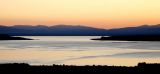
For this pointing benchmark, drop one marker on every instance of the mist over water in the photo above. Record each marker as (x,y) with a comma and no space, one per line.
(78,50)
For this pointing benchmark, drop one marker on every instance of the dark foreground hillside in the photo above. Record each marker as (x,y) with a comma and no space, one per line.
(23,68)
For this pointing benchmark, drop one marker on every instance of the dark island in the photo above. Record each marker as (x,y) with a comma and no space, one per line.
(131,38)
(8,37)
(24,68)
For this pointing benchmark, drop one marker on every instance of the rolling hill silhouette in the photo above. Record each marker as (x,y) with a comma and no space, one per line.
(68,30)
(58,30)
(140,30)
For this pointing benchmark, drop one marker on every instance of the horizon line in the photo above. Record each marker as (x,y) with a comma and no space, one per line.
(76,25)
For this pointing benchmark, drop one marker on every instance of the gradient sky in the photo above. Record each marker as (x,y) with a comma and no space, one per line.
(95,13)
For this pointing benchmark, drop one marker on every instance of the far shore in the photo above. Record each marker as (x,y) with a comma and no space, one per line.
(8,37)
(130,38)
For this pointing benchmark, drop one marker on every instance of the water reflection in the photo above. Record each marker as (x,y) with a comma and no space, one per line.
(79,51)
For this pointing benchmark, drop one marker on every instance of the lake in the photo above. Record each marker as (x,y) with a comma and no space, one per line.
(78,50)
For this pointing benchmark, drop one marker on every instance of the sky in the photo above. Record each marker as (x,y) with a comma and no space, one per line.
(94,13)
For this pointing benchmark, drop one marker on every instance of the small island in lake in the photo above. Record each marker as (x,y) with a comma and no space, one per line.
(131,38)
(8,37)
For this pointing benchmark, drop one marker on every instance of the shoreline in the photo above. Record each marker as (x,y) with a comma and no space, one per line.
(8,37)
(130,38)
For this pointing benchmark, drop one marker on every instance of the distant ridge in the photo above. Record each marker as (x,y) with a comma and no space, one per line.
(139,30)
(57,30)
(70,30)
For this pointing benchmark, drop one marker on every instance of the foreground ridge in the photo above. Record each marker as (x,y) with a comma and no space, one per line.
(21,68)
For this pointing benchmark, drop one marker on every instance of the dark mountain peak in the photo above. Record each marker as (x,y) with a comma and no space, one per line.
(149,26)
(74,27)
(62,26)
(157,25)
(1,26)
(68,26)
(22,26)
(58,30)
(41,26)
(144,25)
(139,30)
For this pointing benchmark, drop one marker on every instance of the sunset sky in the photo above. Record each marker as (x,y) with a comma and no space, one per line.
(94,13)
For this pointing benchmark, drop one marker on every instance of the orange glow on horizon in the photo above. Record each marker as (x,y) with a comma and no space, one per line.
(94,13)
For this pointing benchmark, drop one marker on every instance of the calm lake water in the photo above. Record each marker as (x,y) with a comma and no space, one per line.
(78,50)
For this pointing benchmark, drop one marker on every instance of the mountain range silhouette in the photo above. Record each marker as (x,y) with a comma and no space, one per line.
(69,30)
